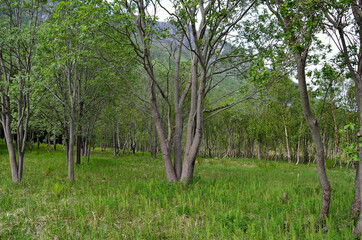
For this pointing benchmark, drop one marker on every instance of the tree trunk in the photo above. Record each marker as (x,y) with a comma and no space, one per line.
(78,153)
(309,153)
(31,141)
(355,208)
(164,144)
(287,139)
(195,124)
(297,153)
(12,155)
(6,123)
(304,150)
(71,149)
(178,104)
(55,142)
(298,146)
(118,141)
(258,148)
(89,150)
(85,146)
(358,191)
(314,129)
(48,141)
(114,141)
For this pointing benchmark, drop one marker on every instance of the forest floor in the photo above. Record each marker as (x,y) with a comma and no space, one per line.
(127,197)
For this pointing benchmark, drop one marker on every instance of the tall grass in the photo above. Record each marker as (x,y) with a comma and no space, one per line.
(128,198)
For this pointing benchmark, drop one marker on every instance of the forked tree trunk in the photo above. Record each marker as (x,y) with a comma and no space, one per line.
(195,124)
(202,54)
(164,144)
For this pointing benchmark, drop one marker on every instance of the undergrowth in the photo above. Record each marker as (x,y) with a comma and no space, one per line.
(127,197)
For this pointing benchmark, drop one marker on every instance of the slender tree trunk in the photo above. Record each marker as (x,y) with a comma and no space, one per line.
(67,151)
(9,139)
(297,153)
(309,153)
(71,147)
(89,150)
(319,147)
(298,146)
(304,150)
(358,191)
(31,141)
(118,140)
(85,146)
(355,208)
(78,152)
(48,141)
(178,104)
(114,136)
(55,142)
(287,139)
(12,155)
(336,135)
(258,148)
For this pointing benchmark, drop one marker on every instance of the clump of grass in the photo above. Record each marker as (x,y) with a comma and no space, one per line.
(128,198)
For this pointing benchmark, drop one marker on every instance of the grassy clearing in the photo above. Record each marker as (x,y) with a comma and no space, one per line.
(128,198)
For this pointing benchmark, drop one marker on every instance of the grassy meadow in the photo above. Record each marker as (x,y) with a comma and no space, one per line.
(127,197)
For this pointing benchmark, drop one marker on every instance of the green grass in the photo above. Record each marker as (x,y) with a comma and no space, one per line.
(128,198)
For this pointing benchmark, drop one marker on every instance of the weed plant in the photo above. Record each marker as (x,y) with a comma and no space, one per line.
(127,197)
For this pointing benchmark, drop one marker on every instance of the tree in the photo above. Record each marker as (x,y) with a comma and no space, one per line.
(19,24)
(72,75)
(299,22)
(205,41)
(346,18)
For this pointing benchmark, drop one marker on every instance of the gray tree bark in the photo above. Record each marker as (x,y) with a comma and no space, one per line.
(318,144)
